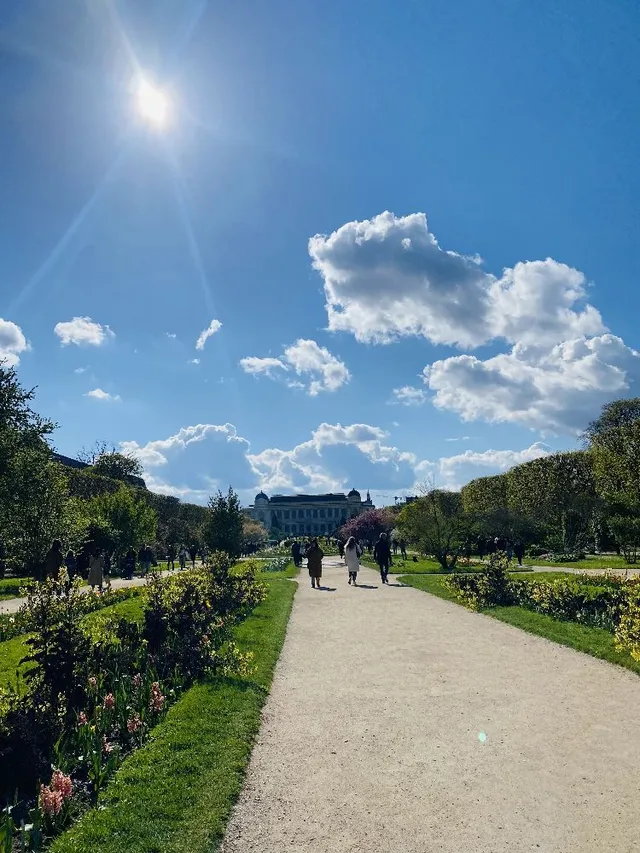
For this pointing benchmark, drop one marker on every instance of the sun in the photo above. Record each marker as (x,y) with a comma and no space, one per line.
(152,105)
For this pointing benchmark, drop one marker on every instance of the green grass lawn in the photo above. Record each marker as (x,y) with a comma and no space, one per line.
(611,561)
(174,795)
(10,587)
(592,641)
(12,651)
(422,567)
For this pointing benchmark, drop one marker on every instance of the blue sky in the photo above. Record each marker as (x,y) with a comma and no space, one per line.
(415,225)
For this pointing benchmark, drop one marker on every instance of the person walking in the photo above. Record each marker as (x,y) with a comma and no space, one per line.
(182,556)
(314,555)
(193,553)
(96,570)
(171,557)
(295,553)
(129,563)
(71,563)
(145,556)
(382,556)
(53,560)
(518,550)
(341,548)
(352,554)
(403,549)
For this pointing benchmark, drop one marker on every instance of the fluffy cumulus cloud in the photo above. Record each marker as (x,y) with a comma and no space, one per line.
(12,343)
(82,331)
(388,277)
(197,460)
(316,368)
(103,396)
(213,327)
(409,396)
(556,389)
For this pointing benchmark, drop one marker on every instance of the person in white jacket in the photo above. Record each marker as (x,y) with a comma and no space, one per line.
(352,554)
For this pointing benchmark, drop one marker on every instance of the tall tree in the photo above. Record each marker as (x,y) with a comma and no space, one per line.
(32,486)
(438,524)
(368,526)
(603,430)
(223,527)
(122,520)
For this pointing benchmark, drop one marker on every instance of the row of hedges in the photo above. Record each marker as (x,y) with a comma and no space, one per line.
(612,603)
(91,701)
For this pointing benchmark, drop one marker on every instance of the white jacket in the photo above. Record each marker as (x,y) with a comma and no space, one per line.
(351,558)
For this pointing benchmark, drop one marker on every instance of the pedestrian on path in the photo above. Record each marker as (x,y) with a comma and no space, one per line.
(314,555)
(183,557)
(382,556)
(341,549)
(518,550)
(96,570)
(352,555)
(171,557)
(53,560)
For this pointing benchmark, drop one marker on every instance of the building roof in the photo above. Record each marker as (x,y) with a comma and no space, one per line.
(261,495)
(299,499)
(354,493)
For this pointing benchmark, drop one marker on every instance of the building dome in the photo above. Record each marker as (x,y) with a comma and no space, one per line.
(261,497)
(354,493)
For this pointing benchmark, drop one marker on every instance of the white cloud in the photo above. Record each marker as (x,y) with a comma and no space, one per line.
(266,366)
(213,327)
(321,370)
(12,343)
(82,331)
(460,438)
(556,389)
(154,453)
(194,361)
(455,471)
(388,277)
(171,335)
(81,370)
(99,394)
(410,396)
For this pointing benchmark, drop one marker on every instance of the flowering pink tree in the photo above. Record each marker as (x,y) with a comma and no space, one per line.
(367,526)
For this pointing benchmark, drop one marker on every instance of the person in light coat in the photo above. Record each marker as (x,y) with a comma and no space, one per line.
(352,554)
(96,570)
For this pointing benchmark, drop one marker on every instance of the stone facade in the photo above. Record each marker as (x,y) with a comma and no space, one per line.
(308,515)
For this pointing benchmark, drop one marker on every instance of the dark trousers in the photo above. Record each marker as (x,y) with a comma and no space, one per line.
(384,569)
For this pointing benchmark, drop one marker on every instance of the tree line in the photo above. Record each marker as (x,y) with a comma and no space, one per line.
(104,505)
(565,503)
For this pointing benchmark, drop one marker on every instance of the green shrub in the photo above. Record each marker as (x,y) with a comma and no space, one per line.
(488,588)
(627,635)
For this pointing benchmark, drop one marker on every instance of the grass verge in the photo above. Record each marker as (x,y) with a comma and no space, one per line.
(600,561)
(592,641)
(12,651)
(424,567)
(174,795)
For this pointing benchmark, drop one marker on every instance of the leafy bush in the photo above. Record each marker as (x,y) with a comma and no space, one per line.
(628,631)
(92,699)
(488,588)
(582,600)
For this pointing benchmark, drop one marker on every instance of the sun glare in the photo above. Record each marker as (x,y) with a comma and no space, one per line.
(153,105)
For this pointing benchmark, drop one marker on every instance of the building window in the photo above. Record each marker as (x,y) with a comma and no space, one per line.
(308,513)
(300,513)
(322,513)
(315,513)
(286,513)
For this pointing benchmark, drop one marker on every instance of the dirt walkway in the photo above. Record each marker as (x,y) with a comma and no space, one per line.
(401,723)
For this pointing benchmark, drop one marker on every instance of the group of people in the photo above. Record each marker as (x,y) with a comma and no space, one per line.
(500,543)
(96,564)
(350,551)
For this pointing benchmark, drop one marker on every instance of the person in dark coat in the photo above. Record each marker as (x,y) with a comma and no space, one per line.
(341,549)
(129,563)
(382,556)
(295,553)
(71,563)
(314,555)
(193,553)
(518,550)
(53,560)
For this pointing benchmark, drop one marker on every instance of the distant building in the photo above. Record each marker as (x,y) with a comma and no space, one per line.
(308,515)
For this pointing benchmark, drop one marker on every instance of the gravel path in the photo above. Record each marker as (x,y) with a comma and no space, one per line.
(402,723)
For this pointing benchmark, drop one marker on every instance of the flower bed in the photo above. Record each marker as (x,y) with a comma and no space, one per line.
(608,602)
(91,703)
(14,624)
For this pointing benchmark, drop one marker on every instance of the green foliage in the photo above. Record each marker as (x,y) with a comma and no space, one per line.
(223,527)
(206,738)
(626,530)
(438,525)
(121,520)
(604,431)
(487,588)
(254,534)
(628,630)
